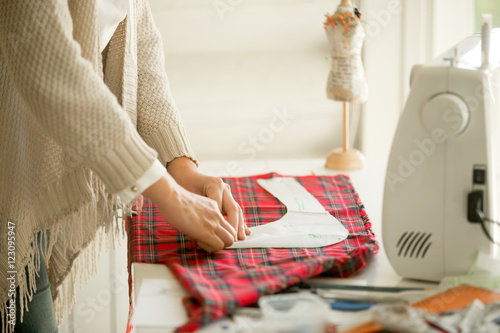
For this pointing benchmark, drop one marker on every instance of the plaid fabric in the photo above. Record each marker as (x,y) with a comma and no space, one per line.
(218,283)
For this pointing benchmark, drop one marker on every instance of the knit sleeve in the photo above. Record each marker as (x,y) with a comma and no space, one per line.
(158,120)
(65,94)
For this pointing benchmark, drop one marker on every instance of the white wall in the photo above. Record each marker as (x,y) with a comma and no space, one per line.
(403,33)
(233,69)
(383,60)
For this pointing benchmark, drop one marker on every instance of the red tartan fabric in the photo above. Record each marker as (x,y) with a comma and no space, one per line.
(218,283)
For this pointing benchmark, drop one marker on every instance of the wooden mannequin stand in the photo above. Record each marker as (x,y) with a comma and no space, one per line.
(345,158)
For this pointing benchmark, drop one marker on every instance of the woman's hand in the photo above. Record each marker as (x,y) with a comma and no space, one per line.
(184,171)
(196,216)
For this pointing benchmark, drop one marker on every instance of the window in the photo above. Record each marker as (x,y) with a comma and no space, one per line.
(487,7)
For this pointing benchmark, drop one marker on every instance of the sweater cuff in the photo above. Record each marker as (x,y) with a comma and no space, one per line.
(122,166)
(170,143)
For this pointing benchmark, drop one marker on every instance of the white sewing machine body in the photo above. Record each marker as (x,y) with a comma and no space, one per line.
(449,128)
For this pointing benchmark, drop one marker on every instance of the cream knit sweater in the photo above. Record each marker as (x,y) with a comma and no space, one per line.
(78,127)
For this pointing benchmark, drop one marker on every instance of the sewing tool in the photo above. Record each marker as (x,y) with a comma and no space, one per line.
(441,184)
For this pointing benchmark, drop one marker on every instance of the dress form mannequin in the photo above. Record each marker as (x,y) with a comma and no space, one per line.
(347,80)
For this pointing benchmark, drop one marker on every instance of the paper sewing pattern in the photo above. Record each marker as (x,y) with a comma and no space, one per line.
(306,223)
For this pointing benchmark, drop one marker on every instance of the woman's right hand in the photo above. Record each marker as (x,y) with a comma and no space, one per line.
(196,216)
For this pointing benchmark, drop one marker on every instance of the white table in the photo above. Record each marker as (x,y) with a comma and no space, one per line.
(158,294)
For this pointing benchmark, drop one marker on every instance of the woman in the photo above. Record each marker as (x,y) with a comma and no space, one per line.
(89,124)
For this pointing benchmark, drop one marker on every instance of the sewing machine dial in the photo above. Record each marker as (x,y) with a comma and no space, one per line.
(446,112)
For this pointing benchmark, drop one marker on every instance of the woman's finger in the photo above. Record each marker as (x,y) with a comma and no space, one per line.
(222,237)
(226,233)
(207,247)
(215,191)
(242,219)
(233,212)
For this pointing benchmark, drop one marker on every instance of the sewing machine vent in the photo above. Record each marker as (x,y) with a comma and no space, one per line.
(414,244)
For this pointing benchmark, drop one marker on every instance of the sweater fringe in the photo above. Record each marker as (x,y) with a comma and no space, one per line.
(103,214)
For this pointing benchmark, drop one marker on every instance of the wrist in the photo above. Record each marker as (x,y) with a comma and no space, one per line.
(161,190)
(186,174)
(181,163)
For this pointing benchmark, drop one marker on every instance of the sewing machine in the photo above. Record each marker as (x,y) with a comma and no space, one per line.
(444,152)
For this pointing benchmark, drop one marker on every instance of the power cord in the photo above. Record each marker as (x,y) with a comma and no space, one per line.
(475,213)
(483,226)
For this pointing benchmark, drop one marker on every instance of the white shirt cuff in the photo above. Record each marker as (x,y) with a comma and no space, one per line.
(154,173)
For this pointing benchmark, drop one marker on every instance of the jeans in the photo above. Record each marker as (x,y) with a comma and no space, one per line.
(40,316)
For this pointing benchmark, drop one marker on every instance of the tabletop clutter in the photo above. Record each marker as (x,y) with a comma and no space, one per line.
(461,309)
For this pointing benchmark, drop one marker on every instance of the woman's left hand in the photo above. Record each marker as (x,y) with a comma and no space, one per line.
(186,174)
